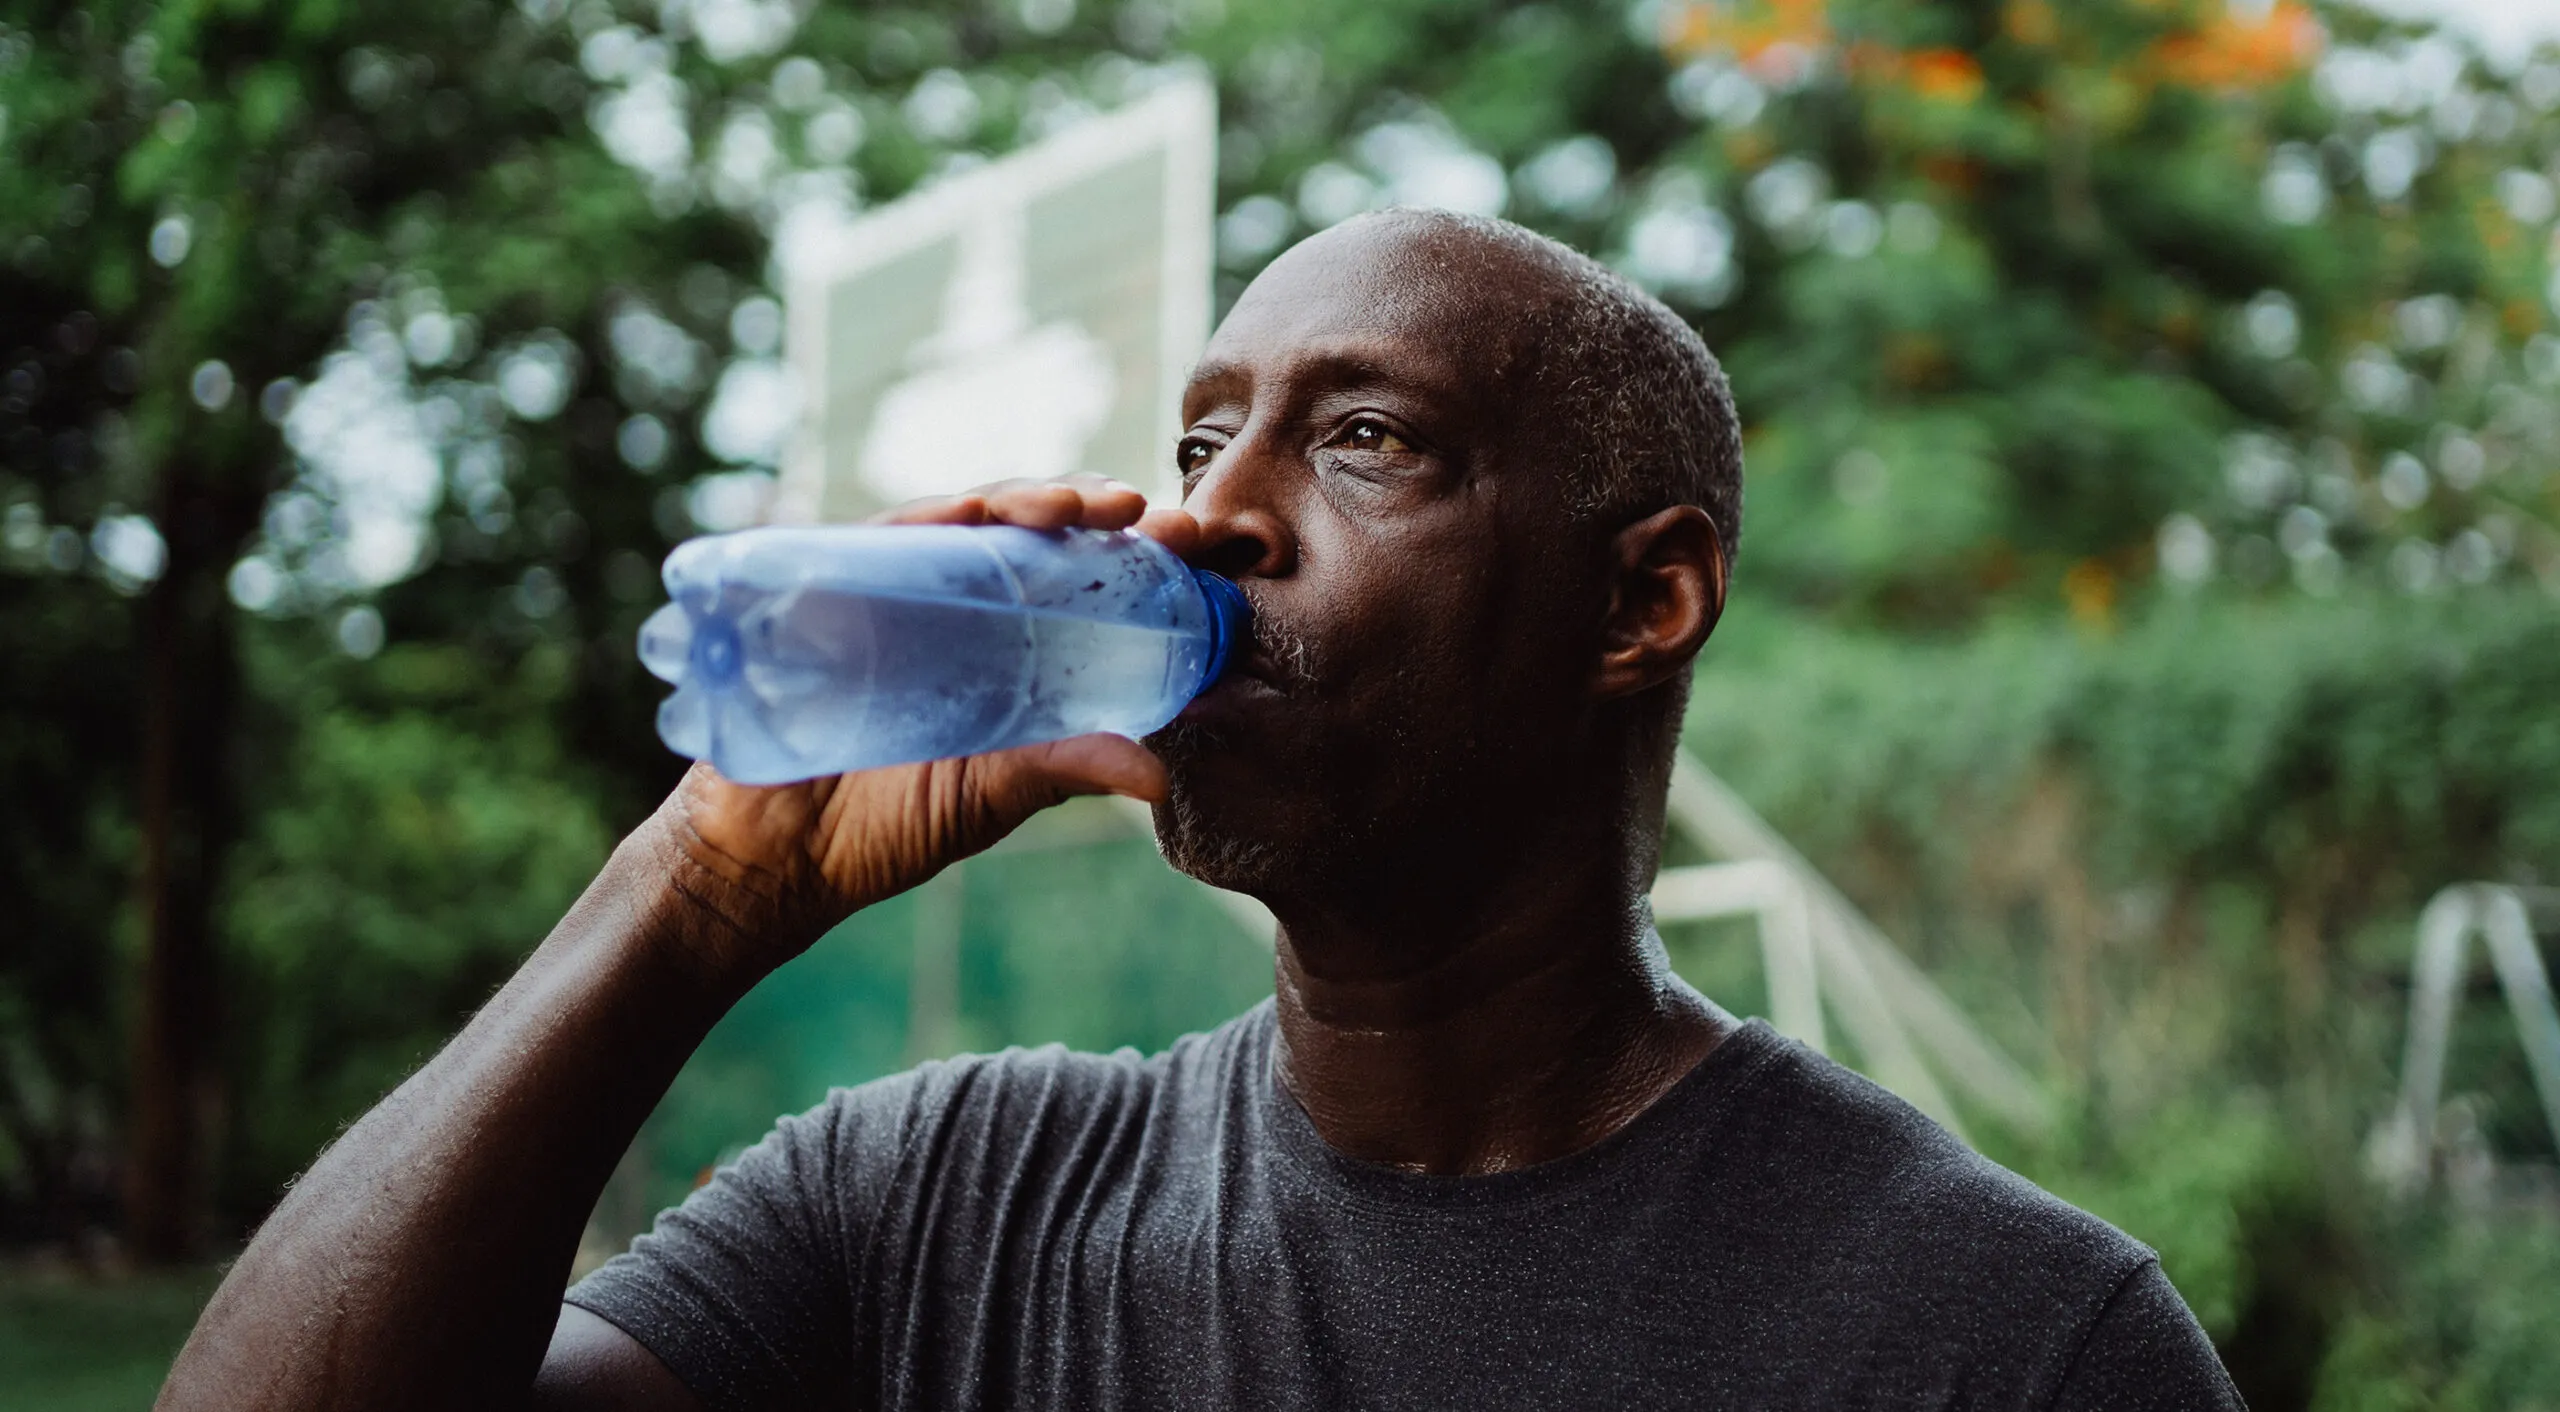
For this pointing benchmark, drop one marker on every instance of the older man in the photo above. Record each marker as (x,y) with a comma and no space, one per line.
(1483,1148)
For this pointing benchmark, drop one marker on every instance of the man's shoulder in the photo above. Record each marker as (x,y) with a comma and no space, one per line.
(1883,1175)
(1029,1093)
(1859,1215)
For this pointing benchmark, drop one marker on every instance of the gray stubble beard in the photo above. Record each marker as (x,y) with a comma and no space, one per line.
(1187,834)
(1188,837)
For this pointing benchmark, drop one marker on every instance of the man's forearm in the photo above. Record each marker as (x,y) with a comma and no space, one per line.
(419,1263)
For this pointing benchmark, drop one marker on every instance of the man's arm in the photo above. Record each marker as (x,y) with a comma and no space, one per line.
(419,1263)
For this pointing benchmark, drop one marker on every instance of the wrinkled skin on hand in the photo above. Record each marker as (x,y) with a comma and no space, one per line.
(770,868)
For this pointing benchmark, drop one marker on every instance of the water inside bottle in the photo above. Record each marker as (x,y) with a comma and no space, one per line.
(826,680)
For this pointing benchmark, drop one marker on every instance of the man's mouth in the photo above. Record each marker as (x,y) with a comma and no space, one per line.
(1242,682)
(1259,665)
(1275,665)
(1249,680)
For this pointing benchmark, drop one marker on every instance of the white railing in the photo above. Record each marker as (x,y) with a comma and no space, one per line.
(1816,944)
(2402,1151)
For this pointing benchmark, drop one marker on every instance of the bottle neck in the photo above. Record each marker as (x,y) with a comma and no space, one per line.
(1230,621)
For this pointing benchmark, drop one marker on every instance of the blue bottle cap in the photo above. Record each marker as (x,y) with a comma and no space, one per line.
(1230,620)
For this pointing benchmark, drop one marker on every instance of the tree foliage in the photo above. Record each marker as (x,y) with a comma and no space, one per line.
(2150,511)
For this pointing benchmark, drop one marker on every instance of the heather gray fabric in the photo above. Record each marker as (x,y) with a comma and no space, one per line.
(1047,1229)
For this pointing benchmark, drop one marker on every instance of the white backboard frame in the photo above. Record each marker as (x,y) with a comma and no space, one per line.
(819,476)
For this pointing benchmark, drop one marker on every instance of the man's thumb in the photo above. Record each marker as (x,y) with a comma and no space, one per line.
(1086,764)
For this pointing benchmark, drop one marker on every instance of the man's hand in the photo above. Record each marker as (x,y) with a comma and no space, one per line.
(767,869)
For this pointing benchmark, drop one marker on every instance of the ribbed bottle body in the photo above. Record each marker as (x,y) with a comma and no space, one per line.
(801,652)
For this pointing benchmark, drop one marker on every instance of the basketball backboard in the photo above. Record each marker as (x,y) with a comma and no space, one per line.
(1032,317)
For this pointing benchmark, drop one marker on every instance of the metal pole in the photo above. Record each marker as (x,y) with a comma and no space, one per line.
(1720,819)
(1765,891)
(1867,1013)
(2402,1150)
(2509,932)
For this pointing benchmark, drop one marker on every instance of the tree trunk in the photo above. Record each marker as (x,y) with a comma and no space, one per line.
(189,686)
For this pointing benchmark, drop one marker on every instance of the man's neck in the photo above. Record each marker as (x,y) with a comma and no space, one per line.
(1508,1043)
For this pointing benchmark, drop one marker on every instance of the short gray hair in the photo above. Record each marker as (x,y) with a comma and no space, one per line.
(1644,415)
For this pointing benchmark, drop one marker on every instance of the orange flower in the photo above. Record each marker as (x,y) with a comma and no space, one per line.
(2233,51)
(1756,32)
(1948,75)
(1945,75)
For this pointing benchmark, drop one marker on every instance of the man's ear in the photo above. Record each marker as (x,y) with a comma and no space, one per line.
(1666,592)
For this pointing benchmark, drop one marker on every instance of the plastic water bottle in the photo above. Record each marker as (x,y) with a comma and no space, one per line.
(801,652)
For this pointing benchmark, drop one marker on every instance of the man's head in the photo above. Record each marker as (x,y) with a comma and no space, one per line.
(1483,494)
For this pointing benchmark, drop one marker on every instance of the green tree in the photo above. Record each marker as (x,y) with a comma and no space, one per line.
(194,196)
(364,361)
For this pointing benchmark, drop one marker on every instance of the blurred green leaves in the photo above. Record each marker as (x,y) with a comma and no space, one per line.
(2213,741)
(2143,600)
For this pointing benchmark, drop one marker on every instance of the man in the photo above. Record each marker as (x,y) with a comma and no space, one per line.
(1483,1149)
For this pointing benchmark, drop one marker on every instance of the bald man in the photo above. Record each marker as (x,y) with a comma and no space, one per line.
(1481,1149)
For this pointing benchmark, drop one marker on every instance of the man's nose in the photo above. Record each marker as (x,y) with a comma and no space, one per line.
(1245,505)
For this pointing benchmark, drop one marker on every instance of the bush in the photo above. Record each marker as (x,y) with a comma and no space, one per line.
(2178,863)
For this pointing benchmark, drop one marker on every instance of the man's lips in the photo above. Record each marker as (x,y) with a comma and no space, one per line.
(1257,665)
(1248,680)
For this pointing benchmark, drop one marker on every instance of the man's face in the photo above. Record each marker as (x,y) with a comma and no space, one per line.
(1357,452)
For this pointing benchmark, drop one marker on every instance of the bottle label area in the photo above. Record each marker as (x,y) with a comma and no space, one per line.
(860,663)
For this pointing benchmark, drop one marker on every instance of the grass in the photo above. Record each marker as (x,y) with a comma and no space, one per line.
(77,1343)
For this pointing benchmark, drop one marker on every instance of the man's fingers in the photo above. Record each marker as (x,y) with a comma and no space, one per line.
(1033,504)
(1173,528)
(1108,504)
(1080,501)
(1077,502)
(1084,764)
(969,509)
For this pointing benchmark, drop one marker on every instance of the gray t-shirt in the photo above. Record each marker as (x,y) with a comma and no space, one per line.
(1048,1229)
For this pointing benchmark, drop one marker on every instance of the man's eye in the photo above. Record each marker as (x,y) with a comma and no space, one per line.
(1368,434)
(1193,454)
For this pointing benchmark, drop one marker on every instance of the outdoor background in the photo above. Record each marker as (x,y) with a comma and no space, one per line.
(2149,595)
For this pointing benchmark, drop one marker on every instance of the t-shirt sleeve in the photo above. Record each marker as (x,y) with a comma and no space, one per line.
(746,1291)
(2146,1351)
